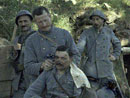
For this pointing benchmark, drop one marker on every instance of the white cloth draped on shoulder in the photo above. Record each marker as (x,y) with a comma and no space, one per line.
(79,77)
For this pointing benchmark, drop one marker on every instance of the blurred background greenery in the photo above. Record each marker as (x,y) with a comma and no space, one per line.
(66,14)
(73,15)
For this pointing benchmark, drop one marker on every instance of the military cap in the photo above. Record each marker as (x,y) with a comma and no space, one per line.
(98,13)
(21,13)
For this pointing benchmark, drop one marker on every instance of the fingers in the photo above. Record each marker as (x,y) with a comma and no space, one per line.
(17,46)
(47,65)
(112,58)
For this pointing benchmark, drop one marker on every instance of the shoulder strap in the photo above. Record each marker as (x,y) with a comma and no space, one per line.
(29,35)
(61,86)
(49,39)
(26,36)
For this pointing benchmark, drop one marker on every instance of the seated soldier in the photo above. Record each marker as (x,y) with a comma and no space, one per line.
(57,82)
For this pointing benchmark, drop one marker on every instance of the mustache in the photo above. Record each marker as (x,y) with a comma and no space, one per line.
(58,63)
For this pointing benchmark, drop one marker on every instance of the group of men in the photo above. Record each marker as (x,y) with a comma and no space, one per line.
(44,56)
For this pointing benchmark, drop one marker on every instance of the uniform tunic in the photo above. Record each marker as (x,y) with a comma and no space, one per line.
(21,80)
(97,45)
(38,48)
(53,90)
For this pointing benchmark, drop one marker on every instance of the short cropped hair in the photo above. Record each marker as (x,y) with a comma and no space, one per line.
(39,11)
(64,48)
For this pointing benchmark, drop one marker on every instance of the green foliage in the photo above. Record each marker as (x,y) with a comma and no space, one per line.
(63,22)
(64,12)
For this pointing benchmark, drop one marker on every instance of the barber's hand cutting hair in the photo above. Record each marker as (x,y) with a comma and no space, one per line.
(47,64)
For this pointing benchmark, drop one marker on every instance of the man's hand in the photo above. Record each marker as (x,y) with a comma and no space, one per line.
(112,58)
(18,46)
(47,65)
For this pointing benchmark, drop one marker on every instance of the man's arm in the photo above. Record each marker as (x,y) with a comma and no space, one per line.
(31,64)
(116,45)
(82,42)
(37,87)
(72,48)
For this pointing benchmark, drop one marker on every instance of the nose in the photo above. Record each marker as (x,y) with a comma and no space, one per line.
(95,21)
(23,23)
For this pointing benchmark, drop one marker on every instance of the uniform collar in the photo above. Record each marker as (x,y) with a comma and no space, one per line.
(46,32)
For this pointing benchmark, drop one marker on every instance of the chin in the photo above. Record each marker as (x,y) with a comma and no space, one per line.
(60,68)
(25,30)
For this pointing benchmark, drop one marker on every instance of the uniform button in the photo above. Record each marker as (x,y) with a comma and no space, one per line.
(44,48)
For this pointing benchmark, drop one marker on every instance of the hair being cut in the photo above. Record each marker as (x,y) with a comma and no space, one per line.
(64,48)
(39,11)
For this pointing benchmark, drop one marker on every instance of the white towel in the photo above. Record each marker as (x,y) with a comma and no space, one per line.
(80,79)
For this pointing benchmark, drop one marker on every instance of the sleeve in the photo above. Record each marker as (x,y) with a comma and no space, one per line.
(73,49)
(31,64)
(15,41)
(81,43)
(116,45)
(37,87)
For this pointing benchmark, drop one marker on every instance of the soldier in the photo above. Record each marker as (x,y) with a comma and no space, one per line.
(58,81)
(41,46)
(20,83)
(96,43)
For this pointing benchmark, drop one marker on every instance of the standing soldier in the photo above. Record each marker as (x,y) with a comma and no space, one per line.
(96,43)
(20,83)
(41,46)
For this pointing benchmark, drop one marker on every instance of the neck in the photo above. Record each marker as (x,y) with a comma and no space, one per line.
(99,29)
(61,72)
(46,31)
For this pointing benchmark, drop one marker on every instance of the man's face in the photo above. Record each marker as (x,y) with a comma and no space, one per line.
(97,22)
(24,22)
(62,60)
(43,21)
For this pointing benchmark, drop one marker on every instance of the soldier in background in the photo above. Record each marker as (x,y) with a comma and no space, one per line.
(21,80)
(41,46)
(95,42)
